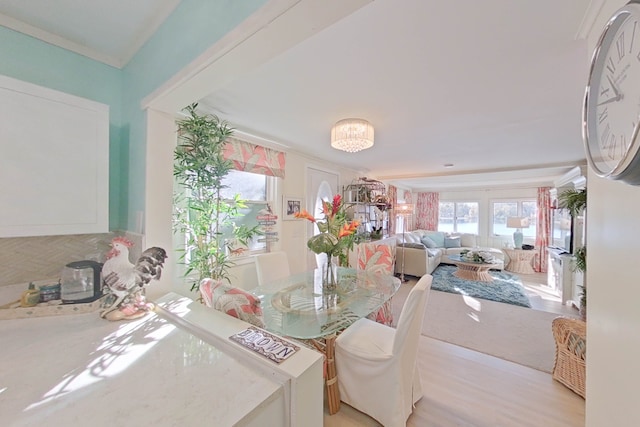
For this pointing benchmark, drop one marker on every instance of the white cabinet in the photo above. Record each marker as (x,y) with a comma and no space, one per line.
(54,162)
(560,275)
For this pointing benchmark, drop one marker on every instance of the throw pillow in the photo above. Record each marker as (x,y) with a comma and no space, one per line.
(232,301)
(452,242)
(437,237)
(428,242)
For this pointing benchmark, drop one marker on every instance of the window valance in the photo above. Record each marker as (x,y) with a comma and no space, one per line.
(253,158)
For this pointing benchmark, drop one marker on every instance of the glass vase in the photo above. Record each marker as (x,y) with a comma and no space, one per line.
(330,274)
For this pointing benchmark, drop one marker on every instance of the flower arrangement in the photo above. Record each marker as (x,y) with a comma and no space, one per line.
(333,229)
(334,236)
(477,256)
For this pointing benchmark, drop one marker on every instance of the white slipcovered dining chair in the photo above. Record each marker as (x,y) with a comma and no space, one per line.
(272,266)
(376,364)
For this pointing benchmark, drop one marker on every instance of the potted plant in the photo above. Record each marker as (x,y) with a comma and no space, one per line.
(201,213)
(573,200)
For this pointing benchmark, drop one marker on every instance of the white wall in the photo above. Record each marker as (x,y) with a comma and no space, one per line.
(613,315)
(613,271)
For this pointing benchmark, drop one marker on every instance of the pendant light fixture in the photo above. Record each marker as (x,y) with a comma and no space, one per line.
(352,135)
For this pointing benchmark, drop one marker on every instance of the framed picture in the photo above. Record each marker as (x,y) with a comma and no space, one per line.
(291,205)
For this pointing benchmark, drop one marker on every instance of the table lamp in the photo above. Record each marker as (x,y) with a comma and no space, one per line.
(518,223)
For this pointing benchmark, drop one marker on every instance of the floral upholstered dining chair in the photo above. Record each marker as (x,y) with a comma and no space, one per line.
(379,259)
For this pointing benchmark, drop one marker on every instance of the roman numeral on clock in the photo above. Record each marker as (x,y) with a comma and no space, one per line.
(611,66)
(602,116)
(620,47)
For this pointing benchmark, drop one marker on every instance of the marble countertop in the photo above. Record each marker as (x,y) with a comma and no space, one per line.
(82,370)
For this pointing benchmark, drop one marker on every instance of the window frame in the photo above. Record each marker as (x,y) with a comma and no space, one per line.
(519,212)
(455,215)
(270,191)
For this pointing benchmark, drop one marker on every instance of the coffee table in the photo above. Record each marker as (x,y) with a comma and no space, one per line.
(471,270)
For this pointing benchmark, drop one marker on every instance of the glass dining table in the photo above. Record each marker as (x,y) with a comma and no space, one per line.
(298,307)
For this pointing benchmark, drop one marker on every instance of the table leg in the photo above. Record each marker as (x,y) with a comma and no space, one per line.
(327,346)
(473,273)
(333,392)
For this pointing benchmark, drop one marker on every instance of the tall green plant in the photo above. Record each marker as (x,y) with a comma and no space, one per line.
(573,200)
(201,213)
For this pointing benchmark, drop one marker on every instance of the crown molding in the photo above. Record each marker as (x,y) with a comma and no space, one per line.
(55,40)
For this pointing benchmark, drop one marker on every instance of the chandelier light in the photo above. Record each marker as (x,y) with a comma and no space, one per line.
(352,135)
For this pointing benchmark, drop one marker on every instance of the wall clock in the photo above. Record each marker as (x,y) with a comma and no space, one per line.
(611,113)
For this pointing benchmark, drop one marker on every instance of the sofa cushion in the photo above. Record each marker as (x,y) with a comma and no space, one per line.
(468,240)
(412,245)
(411,238)
(428,242)
(452,242)
(437,237)
(434,252)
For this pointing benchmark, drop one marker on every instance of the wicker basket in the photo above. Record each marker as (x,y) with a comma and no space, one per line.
(571,352)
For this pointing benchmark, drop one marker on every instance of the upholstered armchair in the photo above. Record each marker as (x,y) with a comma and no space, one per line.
(380,259)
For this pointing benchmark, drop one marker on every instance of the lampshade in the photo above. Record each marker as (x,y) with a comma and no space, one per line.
(517,222)
(352,135)
(404,208)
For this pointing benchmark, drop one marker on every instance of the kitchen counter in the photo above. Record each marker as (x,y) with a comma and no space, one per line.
(174,367)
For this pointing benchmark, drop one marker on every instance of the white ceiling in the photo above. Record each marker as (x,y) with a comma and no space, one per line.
(494,87)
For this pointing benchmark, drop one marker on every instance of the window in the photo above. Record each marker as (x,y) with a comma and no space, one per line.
(458,217)
(255,189)
(505,209)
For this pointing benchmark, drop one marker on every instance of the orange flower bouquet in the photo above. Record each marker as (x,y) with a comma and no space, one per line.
(332,237)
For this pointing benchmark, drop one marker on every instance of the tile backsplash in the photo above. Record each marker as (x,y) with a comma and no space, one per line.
(26,259)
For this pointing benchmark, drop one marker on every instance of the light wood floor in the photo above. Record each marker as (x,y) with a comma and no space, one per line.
(467,388)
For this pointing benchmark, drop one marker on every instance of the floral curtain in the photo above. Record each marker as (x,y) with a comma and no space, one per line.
(253,158)
(543,227)
(427,208)
(392,193)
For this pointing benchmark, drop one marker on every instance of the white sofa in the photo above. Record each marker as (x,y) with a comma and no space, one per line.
(420,258)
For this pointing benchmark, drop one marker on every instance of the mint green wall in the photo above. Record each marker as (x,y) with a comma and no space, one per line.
(28,59)
(192,28)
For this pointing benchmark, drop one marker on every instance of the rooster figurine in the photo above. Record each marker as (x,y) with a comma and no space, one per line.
(124,283)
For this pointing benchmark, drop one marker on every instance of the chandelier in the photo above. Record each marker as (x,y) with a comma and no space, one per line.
(352,135)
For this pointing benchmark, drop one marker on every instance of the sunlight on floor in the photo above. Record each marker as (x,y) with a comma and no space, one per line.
(543,297)
(474,303)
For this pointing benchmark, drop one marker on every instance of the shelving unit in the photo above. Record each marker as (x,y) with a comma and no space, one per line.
(366,200)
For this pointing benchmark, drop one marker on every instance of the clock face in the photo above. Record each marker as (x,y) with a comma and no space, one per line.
(612,102)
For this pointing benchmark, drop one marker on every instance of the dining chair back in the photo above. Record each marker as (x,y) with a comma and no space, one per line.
(272,266)
(380,259)
(376,364)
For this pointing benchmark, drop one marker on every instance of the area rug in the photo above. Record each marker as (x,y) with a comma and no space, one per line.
(505,287)
(506,331)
